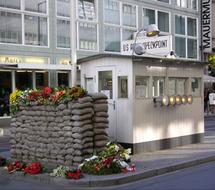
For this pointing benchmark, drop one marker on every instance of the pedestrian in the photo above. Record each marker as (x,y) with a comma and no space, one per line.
(206,101)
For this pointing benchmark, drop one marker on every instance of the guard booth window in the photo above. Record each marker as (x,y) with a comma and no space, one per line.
(158,86)
(177,86)
(123,87)
(196,86)
(142,87)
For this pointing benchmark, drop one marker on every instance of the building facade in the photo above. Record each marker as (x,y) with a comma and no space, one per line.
(35,35)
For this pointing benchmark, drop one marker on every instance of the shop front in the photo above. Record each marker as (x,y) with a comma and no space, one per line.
(154,103)
(22,72)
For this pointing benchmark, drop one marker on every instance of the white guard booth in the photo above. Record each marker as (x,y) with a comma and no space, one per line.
(134,86)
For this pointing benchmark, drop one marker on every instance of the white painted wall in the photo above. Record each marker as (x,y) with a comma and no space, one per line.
(137,120)
(154,123)
(124,107)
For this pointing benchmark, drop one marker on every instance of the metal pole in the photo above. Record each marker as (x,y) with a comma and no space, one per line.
(73,41)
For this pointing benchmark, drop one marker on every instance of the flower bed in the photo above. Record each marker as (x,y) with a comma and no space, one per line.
(112,160)
(44,96)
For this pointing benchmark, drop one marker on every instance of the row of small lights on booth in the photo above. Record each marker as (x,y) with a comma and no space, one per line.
(173,100)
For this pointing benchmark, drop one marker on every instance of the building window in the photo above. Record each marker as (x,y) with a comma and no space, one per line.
(87,36)
(36,30)
(123,87)
(63,79)
(127,34)
(177,86)
(5,90)
(39,6)
(121,20)
(193,4)
(87,9)
(11,28)
(15,4)
(182,3)
(112,12)
(63,33)
(41,80)
(63,8)
(148,17)
(129,15)
(112,42)
(63,23)
(179,25)
(158,86)
(164,1)
(192,48)
(180,46)
(196,86)
(186,37)
(191,27)
(142,87)
(161,19)
(23,80)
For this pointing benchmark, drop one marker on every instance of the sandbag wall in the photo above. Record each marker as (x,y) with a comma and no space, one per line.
(61,135)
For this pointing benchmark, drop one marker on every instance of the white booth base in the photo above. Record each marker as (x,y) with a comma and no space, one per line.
(164,143)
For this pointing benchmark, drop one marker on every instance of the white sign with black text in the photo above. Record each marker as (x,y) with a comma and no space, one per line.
(159,46)
(206,26)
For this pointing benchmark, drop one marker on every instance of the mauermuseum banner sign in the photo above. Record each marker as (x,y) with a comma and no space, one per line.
(206,26)
(159,46)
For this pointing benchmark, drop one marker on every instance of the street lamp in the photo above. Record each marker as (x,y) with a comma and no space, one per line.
(151,30)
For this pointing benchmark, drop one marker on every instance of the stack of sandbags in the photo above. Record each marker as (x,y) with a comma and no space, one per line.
(82,130)
(100,106)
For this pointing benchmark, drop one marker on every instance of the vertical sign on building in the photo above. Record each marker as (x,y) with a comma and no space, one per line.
(206,26)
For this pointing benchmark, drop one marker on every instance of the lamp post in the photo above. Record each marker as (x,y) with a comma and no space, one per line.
(73,42)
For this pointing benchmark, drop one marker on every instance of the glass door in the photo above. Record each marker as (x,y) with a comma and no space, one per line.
(106,84)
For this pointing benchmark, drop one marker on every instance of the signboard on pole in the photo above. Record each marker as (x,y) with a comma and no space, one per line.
(159,46)
(206,26)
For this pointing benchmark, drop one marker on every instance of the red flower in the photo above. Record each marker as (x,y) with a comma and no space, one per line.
(10,168)
(124,170)
(108,161)
(58,94)
(33,168)
(18,165)
(15,166)
(133,168)
(47,91)
(74,174)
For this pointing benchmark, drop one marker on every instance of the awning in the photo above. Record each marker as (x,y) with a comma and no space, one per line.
(8,65)
(208,78)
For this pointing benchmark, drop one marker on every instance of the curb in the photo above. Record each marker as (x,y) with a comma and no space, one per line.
(110,180)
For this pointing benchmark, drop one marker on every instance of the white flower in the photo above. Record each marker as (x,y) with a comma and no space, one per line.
(124,164)
(116,148)
(91,158)
(129,150)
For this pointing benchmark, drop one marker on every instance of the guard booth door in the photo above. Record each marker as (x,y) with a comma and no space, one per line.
(106,83)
